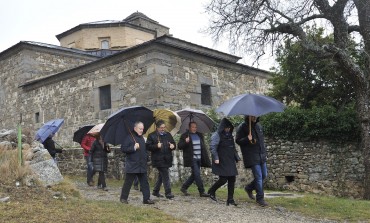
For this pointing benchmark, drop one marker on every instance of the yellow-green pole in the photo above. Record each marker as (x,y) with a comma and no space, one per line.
(20,160)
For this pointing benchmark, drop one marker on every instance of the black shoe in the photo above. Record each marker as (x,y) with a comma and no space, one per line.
(148,202)
(157,194)
(262,203)
(169,196)
(250,194)
(105,189)
(232,202)
(184,191)
(203,194)
(136,187)
(212,196)
(123,201)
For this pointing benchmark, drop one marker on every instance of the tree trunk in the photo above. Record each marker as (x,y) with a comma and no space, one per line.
(363,94)
(363,111)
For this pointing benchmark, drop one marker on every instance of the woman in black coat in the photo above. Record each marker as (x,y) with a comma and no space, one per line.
(224,157)
(99,157)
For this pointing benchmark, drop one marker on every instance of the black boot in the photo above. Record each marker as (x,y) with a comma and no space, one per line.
(212,195)
(231,201)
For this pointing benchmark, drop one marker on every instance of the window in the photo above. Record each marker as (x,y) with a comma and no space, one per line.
(105,98)
(206,98)
(104,44)
(37,117)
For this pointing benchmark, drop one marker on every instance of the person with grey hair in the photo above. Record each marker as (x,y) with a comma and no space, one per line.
(161,144)
(136,164)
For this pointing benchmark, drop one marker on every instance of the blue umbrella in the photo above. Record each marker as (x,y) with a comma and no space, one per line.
(120,124)
(51,127)
(250,104)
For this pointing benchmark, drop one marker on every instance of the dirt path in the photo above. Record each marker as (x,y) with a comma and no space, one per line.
(196,209)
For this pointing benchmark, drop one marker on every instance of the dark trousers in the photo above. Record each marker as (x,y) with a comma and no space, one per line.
(259,173)
(101,180)
(144,184)
(164,177)
(230,186)
(195,176)
(89,170)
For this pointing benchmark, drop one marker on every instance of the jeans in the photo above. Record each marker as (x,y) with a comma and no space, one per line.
(259,173)
(230,186)
(144,184)
(89,170)
(195,176)
(164,177)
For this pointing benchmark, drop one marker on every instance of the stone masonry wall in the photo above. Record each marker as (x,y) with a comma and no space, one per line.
(23,66)
(319,167)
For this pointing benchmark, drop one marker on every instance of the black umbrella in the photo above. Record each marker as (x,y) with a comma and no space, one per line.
(120,125)
(204,122)
(81,132)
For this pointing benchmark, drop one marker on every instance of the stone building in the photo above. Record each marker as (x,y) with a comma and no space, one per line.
(103,66)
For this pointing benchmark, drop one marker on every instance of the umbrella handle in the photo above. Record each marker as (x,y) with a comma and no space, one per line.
(128,129)
(252,141)
(58,144)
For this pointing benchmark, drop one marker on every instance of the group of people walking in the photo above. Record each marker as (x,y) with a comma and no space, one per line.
(160,144)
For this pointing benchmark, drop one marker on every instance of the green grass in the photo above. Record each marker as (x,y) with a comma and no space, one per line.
(71,210)
(316,206)
(326,207)
(37,205)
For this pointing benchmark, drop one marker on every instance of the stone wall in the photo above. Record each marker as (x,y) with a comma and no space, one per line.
(320,167)
(317,167)
(119,38)
(25,65)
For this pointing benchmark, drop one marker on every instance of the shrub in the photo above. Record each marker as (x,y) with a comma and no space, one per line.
(317,123)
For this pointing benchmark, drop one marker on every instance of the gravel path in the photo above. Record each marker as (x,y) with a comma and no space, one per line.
(196,209)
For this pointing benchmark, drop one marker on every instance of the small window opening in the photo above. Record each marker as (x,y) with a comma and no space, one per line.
(104,44)
(37,117)
(289,179)
(105,97)
(206,97)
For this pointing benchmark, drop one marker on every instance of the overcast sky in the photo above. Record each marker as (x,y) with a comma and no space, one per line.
(42,20)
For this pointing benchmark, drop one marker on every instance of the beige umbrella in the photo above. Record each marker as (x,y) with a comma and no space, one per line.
(170,118)
(95,131)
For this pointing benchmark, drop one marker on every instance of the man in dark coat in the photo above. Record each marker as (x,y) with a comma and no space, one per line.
(224,157)
(161,144)
(195,156)
(136,164)
(254,155)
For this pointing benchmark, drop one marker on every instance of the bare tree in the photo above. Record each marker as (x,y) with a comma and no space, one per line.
(254,26)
